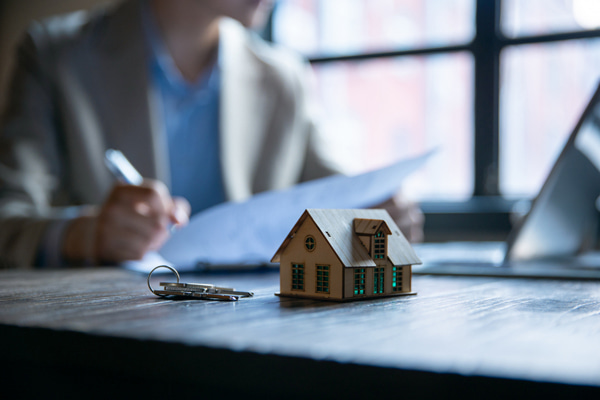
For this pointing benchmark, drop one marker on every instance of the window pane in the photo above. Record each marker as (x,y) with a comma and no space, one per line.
(536,17)
(331,27)
(379,111)
(544,89)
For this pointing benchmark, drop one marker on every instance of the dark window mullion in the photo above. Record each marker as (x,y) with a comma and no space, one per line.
(553,37)
(486,52)
(392,53)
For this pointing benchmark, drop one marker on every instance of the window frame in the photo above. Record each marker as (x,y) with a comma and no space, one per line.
(360,282)
(297,270)
(486,210)
(310,243)
(379,246)
(397,278)
(324,287)
(379,280)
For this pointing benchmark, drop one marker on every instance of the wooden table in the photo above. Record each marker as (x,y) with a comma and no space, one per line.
(101,332)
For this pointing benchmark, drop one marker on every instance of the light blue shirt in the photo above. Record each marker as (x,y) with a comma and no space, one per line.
(190,115)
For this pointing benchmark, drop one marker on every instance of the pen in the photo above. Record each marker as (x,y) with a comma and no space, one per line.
(121,168)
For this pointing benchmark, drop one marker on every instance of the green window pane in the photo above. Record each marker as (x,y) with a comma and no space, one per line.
(322,279)
(397,279)
(309,243)
(359,281)
(298,276)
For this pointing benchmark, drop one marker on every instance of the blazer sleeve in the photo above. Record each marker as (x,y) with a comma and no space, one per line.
(29,167)
(318,162)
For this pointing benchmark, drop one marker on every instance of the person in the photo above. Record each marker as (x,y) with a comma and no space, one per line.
(204,109)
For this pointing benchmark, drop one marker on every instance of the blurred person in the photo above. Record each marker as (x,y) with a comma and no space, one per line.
(203,108)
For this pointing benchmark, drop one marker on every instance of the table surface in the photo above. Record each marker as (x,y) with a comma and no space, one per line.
(523,329)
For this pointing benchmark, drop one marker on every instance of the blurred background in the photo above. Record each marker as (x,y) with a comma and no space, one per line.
(495,85)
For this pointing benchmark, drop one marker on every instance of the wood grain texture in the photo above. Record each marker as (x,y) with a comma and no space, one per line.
(537,330)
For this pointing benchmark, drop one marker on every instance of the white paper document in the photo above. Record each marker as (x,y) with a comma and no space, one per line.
(250,232)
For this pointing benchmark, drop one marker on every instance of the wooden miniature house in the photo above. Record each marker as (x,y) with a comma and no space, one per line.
(345,255)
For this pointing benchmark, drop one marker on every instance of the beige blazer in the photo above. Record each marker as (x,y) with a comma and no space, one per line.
(81,86)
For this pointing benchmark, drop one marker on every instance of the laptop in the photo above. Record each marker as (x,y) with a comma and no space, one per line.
(556,238)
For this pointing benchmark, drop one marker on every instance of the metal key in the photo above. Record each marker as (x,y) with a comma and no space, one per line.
(195,290)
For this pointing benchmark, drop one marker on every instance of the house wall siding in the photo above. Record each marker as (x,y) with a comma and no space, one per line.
(407,278)
(296,253)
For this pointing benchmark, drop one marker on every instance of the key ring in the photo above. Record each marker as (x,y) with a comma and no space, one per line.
(155,268)
(202,291)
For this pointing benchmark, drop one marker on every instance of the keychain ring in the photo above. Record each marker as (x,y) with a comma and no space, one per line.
(155,268)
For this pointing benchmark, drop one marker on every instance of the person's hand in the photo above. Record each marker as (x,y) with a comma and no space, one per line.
(136,219)
(407,215)
(132,221)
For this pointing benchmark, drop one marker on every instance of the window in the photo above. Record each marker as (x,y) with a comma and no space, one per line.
(382,97)
(322,278)
(297,276)
(486,81)
(540,17)
(379,246)
(309,243)
(397,279)
(359,281)
(378,280)
(533,75)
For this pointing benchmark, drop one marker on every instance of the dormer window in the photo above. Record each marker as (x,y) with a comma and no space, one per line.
(379,246)
(373,235)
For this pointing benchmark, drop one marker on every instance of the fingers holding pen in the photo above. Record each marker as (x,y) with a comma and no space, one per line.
(136,219)
(156,197)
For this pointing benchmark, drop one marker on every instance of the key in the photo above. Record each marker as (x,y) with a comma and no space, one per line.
(204,291)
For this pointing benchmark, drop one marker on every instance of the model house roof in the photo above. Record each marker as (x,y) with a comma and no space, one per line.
(338,228)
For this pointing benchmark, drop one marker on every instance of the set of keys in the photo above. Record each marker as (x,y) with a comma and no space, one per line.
(200,291)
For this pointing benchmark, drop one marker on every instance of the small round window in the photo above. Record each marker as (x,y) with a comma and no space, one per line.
(309,243)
